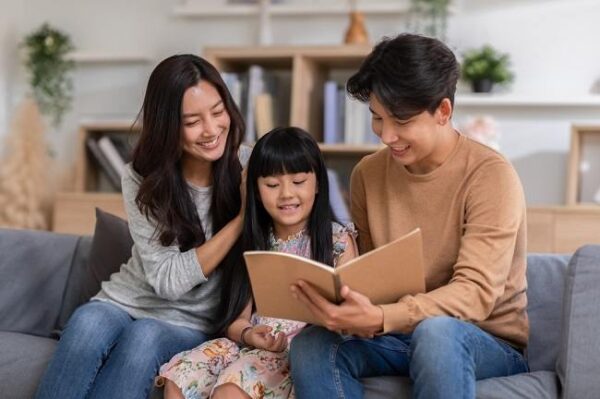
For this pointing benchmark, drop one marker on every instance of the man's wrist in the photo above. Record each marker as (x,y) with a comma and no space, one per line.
(379,324)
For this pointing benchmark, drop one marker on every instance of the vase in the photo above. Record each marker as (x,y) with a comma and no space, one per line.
(482,86)
(356,33)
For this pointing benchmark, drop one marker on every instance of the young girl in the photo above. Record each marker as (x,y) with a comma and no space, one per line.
(287,210)
(182,196)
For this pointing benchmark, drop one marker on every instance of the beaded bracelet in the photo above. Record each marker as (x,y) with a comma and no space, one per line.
(244,331)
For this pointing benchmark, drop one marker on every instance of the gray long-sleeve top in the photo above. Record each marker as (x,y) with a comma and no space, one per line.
(161,282)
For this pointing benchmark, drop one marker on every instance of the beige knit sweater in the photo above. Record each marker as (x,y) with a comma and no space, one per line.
(471,211)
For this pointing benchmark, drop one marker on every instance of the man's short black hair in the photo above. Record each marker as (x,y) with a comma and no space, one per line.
(408,74)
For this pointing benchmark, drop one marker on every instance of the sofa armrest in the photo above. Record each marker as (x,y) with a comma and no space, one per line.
(579,355)
(34,267)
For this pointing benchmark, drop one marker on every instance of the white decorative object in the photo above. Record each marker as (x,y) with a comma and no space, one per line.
(597,196)
(265,32)
(483,129)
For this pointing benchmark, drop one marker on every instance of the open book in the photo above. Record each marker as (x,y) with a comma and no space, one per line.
(384,275)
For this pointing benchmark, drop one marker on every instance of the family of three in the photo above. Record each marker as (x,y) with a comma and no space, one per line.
(180,312)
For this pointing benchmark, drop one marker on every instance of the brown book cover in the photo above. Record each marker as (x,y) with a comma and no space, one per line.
(384,274)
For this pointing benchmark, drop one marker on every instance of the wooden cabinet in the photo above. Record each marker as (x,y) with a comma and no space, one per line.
(562,229)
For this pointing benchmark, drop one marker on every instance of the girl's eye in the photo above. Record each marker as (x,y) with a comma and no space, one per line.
(192,123)
(218,113)
(298,182)
(402,122)
(271,185)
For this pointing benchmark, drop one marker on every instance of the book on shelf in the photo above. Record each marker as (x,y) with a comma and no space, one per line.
(336,198)
(103,163)
(112,154)
(255,87)
(263,114)
(263,97)
(234,84)
(384,275)
(357,118)
(123,146)
(330,112)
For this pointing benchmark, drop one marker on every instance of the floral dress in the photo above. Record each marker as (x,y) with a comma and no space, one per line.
(259,373)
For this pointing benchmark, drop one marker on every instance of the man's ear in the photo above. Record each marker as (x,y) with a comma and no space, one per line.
(444,111)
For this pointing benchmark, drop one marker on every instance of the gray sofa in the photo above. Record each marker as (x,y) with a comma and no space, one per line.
(45,276)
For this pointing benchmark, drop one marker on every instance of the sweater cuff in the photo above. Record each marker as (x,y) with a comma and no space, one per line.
(194,270)
(398,317)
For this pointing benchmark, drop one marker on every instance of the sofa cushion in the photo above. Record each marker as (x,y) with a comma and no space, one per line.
(22,364)
(33,274)
(110,248)
(579,355)
(539,385)
(72,297)
(545,279)
(386,387)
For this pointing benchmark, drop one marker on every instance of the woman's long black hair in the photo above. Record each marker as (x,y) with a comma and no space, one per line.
(163,193)
(281,151)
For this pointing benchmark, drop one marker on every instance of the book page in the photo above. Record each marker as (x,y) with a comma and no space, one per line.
(389,272)
(271,275)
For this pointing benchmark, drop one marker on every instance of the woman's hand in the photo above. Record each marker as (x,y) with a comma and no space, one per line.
(260,337)
(355,316)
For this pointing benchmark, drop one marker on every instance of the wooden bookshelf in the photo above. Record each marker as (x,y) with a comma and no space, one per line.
(87,173)
(550,229)
(310,67)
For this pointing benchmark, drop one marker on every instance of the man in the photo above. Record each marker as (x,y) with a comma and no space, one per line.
(468,201)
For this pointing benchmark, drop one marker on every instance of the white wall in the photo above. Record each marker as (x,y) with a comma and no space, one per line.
(553,45)
(554,52)
(8,50)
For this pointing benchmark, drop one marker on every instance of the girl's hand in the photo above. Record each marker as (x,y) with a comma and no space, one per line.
(260,337)
(355,316)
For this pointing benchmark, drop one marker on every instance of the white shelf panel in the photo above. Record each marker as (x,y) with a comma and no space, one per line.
(508,100)
(342,9)
(108,58)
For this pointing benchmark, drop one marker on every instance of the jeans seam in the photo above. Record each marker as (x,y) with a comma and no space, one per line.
(471,335)
(336,372)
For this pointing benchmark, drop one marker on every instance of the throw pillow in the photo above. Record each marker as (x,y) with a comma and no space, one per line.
(110,248)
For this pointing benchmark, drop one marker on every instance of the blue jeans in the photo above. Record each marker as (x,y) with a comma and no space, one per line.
(443,357)
(104,353)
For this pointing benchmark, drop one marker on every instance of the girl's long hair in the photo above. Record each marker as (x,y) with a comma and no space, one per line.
(281,151)
(163,194)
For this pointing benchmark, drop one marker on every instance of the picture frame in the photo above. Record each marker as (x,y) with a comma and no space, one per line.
(583,176)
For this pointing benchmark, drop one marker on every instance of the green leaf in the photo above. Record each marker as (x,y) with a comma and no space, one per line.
(49,70)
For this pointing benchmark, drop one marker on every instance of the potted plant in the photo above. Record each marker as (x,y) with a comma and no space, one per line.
(49,70)
(485,66)
(429,17)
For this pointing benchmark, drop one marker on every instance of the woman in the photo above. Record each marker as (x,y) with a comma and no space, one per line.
(182,197)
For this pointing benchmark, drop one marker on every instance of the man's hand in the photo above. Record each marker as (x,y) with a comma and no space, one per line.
(260,337)
(356,315)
